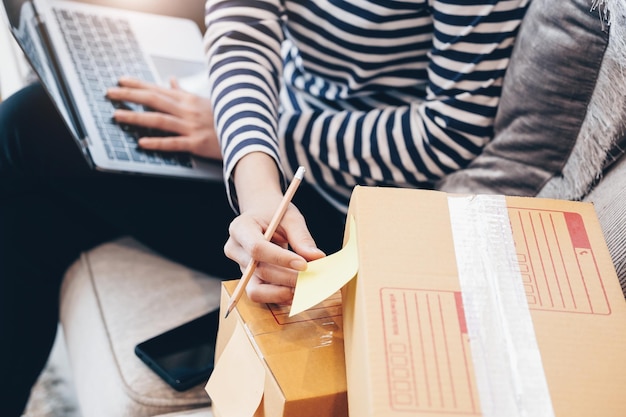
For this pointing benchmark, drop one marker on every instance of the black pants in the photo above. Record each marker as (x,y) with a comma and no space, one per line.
(52,207)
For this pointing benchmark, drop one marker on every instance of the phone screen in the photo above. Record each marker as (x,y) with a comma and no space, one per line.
(183,356)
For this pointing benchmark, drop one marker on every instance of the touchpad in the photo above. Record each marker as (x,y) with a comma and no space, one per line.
(168,67)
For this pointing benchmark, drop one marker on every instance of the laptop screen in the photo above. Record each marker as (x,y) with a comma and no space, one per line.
(26,29)
(20,14)
(12,8)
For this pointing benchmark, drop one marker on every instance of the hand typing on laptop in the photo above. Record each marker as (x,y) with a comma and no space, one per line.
(188,116)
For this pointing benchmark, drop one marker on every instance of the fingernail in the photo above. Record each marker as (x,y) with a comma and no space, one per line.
(298,264)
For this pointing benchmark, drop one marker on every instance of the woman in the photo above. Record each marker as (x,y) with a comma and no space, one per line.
(379,92)
(386,93)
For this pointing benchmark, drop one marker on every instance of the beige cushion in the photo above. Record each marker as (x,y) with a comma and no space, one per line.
(198,412)
(114,297)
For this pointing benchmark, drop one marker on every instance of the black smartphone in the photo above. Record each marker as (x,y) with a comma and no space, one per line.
(183,356)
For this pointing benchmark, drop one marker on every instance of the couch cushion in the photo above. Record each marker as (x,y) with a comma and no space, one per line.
(114,297)
(199,412)
(601,139)
(546,92)
(609,199)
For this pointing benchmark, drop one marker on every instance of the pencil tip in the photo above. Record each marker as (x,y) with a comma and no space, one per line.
(227,313)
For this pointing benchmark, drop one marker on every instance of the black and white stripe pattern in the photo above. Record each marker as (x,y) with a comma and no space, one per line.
(379,92)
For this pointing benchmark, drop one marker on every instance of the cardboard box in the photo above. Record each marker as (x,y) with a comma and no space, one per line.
(269,364)
(481,306)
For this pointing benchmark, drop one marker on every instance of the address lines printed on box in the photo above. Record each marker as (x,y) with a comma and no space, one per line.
(427,352)
(557,263)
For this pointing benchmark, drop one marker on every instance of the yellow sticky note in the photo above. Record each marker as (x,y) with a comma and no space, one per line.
(323,277)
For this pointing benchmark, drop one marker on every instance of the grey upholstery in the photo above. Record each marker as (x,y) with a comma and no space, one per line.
(562,121)
(547,88)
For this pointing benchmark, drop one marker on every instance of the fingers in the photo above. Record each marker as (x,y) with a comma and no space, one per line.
(269,283)
(151,97)
(164,122)
(188,135)
(135,83)
(175,91)
(247,242)
(259,291)
(174,83)
(277,266)
(169,144)
(153,120)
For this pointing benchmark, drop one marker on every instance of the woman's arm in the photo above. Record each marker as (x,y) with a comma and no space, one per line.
(243,41)
(410,144)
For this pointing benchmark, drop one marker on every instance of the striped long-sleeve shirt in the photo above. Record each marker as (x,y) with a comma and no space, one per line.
(368,92)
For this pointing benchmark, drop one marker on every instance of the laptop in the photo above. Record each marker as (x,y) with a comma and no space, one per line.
(78,50)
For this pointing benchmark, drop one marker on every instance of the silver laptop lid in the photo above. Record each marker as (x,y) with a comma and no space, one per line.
(25,26)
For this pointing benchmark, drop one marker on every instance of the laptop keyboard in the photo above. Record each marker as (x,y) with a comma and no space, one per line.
(103,49)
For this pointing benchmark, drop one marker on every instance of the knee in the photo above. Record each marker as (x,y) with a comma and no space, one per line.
(25,118)
(16,113)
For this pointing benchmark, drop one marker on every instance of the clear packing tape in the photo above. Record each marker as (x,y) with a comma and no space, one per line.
(506,358)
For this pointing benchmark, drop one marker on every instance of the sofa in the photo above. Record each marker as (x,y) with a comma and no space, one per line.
(559,133)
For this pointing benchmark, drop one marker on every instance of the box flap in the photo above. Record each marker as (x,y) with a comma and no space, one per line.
(301,356)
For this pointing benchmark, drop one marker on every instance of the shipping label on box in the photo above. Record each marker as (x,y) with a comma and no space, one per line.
(269,364)
(478,306)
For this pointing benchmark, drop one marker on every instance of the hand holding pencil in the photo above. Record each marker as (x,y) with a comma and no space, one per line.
(269,232)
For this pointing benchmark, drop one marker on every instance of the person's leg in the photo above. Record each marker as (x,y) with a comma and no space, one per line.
(40,234)
(52,207)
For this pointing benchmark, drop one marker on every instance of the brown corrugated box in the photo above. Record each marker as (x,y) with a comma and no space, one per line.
(271,365)
(407,321)
(409,314)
